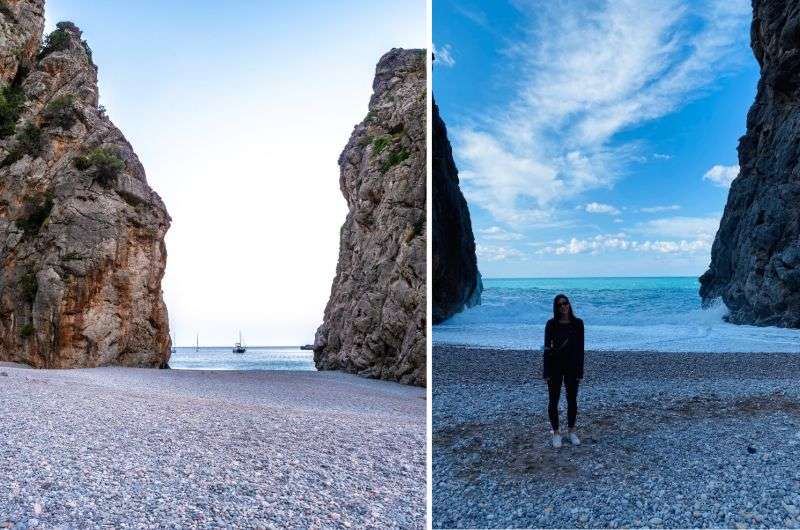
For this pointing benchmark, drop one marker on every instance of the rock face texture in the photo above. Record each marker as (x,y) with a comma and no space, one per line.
(755,260)
(81,233)
(456,280)
(374,322)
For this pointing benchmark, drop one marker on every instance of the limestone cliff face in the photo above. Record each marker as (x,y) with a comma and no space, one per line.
(755,260)
(81,232)
(456,280)
(374,322)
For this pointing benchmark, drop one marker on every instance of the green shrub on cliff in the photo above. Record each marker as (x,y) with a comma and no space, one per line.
(29,286)
(6,10)
(394,159)
(105,161)
(61,112)
(378,144)
(88,51)
(81,163)
(27,331)
(57,41)
(29,142)
(11,101)
(37,213)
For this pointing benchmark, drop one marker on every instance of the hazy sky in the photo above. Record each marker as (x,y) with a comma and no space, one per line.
(594,138)
(238,111)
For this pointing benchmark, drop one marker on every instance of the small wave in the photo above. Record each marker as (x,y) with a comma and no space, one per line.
(646,316)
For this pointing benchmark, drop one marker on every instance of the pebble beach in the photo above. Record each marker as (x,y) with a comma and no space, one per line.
(669,440)
(138,448)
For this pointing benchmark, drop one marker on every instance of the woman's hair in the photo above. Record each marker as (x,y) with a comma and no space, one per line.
(558,297)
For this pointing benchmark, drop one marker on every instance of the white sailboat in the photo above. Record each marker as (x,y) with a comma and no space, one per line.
(239,347)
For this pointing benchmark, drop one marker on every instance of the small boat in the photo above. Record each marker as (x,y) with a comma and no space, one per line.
(238,347)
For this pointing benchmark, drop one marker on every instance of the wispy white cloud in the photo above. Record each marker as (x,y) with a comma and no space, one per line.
(657,209)
(680,227)
(473,14)
(443,56)
(498,234)
(661,156)
(497,253)
(556,137)
(621,242)
(596,207)
(722,175)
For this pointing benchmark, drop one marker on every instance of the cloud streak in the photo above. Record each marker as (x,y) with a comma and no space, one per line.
(596,207)
(722,176)
(620,242)
(497,253)
(584,77)
(443,56)
(498,234)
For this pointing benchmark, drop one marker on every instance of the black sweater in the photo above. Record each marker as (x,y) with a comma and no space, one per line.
(563,349)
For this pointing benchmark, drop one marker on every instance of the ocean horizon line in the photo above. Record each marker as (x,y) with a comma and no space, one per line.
(582,277)
(246,346)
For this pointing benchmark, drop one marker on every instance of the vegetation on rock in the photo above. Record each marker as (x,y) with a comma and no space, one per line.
(11,101)
(37,214)
(6,10)
(394,159)
(106,163)
(57,41)
(29,286)
(60,112)
(378,144)
(29,142)
(27,330)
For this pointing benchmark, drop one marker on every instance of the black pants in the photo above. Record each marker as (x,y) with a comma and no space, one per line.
(554,389)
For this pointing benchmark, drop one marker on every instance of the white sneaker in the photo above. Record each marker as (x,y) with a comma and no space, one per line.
(573,438)
(556,441)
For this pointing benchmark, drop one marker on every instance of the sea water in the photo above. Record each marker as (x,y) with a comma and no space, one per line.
(255,358)
(647,314)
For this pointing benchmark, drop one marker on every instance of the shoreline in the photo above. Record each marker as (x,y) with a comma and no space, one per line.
(667,440)
(186,448)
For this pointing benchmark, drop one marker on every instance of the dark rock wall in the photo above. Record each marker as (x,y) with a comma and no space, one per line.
(374,323)
(456,280)
(755,259)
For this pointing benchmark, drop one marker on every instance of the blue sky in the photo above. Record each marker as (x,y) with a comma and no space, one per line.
(594,137)
(238,111)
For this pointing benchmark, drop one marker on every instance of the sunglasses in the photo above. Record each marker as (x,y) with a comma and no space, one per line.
(562,304)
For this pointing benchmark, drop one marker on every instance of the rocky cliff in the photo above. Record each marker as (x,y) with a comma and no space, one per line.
(374,322)
(456,280)
(755,260)
(81,232)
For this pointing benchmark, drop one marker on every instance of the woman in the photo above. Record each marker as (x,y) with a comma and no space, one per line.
(563,364)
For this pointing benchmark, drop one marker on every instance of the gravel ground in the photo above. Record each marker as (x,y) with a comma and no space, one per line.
(135,448)
(670,440)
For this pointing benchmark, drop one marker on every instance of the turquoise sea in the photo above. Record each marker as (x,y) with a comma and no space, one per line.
(255,358)
(648,314)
